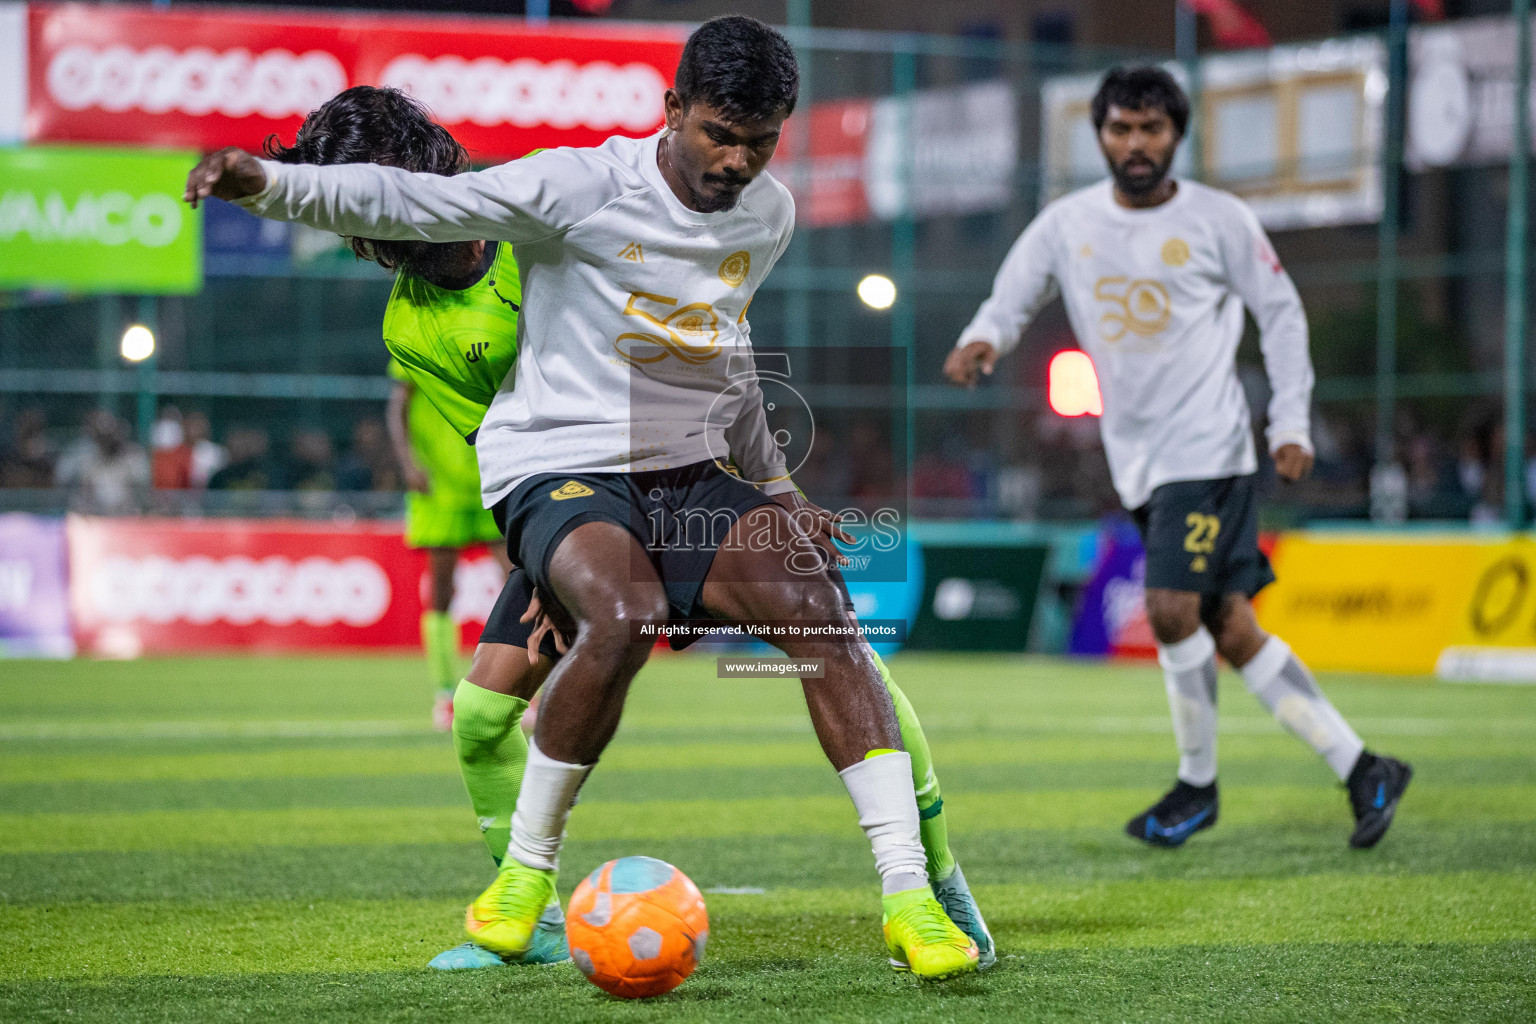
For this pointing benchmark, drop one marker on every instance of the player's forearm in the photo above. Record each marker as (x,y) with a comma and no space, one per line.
(1289,367)
(1023,285)
(371,201)
(398,427)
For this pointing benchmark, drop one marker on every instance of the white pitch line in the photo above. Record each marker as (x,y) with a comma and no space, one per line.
(209,730)
(332,729)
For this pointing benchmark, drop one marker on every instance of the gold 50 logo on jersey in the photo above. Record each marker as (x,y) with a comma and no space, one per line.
(1138,306)
(691,332)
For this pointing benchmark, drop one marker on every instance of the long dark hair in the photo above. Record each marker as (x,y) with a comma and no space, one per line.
(367,124)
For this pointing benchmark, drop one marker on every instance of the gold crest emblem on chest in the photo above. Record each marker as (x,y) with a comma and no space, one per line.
(736,268)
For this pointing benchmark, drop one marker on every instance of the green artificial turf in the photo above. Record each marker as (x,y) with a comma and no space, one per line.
(285,839)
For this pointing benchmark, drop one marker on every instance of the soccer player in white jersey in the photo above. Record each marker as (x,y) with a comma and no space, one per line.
(602,453)
(1155,273)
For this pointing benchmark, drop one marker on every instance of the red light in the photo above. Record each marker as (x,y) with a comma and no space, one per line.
(1074,386)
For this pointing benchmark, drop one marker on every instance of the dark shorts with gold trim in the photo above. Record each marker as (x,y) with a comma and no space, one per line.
(505,626)
(680,517)
(1202,536)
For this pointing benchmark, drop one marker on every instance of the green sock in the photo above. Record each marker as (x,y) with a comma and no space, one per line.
(440,640)
(930,802)
(488,735)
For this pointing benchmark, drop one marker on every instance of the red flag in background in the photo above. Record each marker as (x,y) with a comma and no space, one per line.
(1432,10)
(1233,27)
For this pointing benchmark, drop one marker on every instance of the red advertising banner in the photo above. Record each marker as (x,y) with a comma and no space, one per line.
(207,77)
(146,586)
(829,186)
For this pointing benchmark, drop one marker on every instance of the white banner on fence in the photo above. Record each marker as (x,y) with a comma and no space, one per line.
(1294,130)
(964,148)
(13,72)
(1461,97)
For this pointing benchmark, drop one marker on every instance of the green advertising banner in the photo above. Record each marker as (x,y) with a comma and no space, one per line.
(98,220)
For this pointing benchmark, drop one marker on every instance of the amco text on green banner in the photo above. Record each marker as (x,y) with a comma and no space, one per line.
(98,220)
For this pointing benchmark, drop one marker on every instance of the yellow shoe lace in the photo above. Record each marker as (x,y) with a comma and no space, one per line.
(929,924)
(520,893)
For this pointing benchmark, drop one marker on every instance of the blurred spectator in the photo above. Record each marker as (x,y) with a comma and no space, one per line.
(27,461)
(370,464)
(1018,491)
(248,468)
(171,459)
(941,471)
(825,470)
(871,470)
(1432,488)
(208,456)
(105,472)
(312,457)
(1471,470)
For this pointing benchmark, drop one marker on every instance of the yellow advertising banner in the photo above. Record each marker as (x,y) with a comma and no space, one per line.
(1460,604)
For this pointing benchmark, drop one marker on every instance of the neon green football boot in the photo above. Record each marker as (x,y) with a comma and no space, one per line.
(922,939)
(504,918)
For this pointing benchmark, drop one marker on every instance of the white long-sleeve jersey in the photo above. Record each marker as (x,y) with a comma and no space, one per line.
(634,351)
(1156,299)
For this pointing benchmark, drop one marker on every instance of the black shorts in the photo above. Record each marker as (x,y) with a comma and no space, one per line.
(1202,536)
(502,625)
(679,516)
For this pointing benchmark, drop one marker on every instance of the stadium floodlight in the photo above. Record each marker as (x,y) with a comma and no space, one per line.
(1074,385)
(138,343)
(877,291)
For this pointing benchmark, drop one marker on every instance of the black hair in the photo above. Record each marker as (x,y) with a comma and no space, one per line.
(741,66)
(366,124)
(1141,88)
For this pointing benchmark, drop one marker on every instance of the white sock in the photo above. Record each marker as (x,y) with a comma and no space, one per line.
(1285,686)
(881,787)
(543,805)
(1189,674)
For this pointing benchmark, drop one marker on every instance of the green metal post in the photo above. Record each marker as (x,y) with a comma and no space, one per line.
(147,398)
(903,265)
(109,329)
(797,305)
(1514,277)
(1186,47)
(1387,235)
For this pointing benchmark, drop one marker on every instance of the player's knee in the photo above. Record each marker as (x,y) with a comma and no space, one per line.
(813,601)
(1173,615)
(1237,633)
(615,629)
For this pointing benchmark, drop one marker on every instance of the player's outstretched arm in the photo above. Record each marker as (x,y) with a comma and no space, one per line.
(1266,289)
(397,418)
(1024,283)
(521,201)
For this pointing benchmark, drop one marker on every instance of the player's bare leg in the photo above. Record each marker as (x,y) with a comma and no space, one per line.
(510,665)
(1285,686)
(855,721)
(492,753)
(1190,631)
(944,874)
(582,707)
(440,634)
(1187,653)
